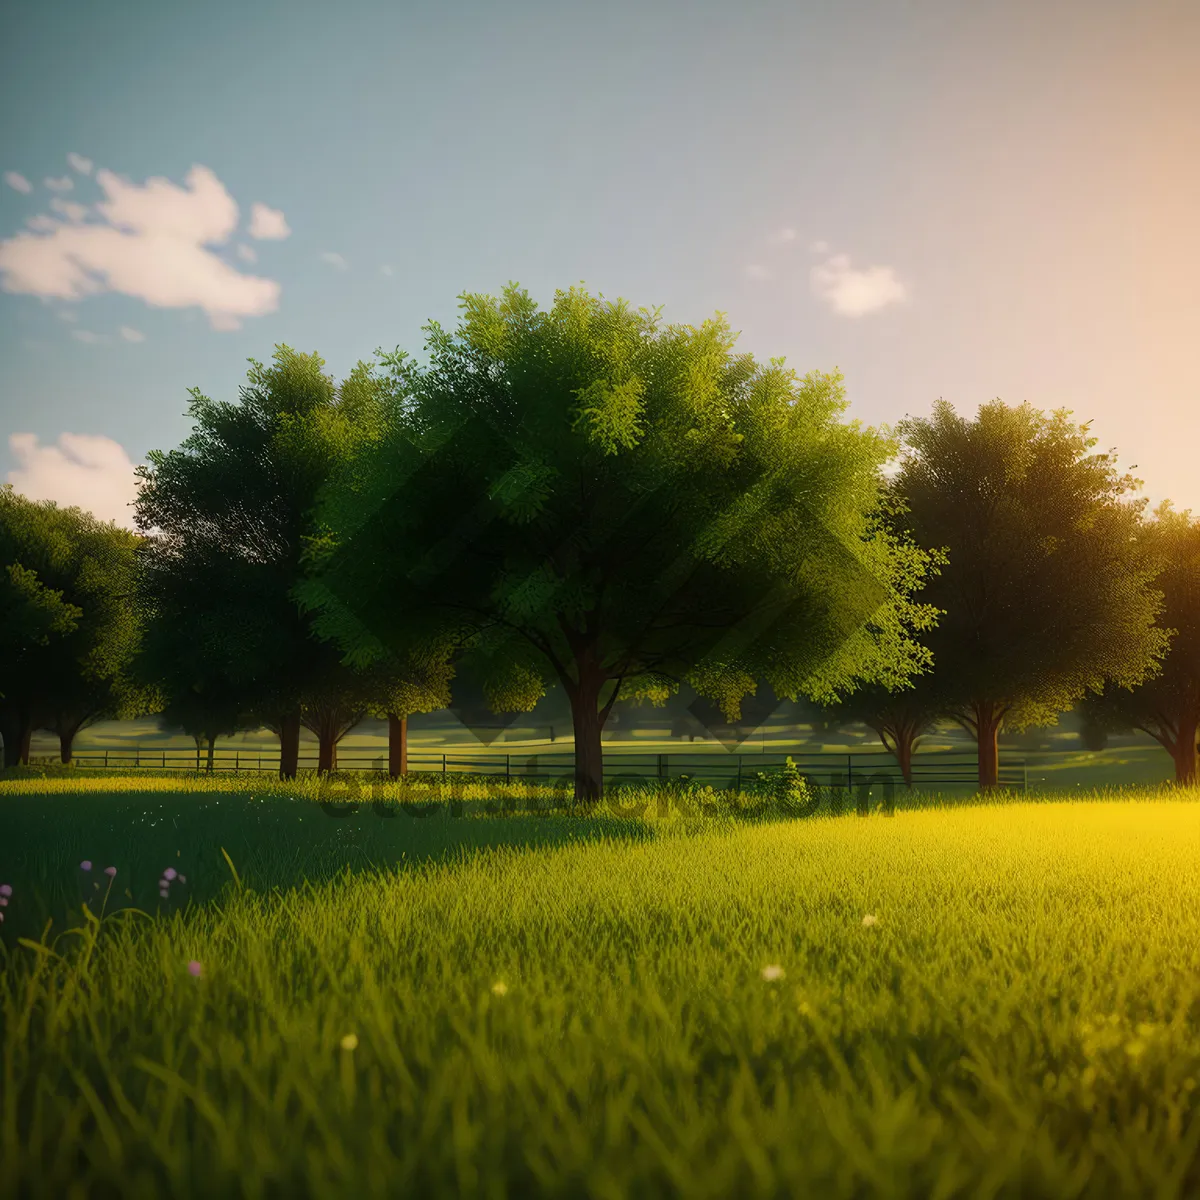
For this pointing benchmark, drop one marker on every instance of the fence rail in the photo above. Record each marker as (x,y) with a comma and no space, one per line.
(939,769)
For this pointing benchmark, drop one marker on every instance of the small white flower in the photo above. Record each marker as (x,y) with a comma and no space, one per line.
(499,988)
(350,1042)
(772,972)
(870,919)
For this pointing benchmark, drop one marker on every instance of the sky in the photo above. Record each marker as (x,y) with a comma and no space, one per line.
(998,198)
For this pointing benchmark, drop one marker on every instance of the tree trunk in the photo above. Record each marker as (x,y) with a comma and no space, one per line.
(589,754)
(65,741)
(326,752)
(1184,751)
(16,726)
(397,745)
(289,744)
(987,739)
(904,753)
(16,733)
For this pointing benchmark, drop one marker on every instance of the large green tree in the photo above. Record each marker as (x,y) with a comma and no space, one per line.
(1167,706)
(230,509)
(35,615)
(1047,592)
(583,495)
(67,605)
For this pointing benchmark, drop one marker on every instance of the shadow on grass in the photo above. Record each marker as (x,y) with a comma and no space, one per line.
(272,843)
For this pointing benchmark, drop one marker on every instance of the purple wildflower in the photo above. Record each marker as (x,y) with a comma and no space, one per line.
(5,889)
(110,871)
(170,873)
(86,865)
(194,969)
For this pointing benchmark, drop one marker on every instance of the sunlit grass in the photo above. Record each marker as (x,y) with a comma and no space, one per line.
(516,1005)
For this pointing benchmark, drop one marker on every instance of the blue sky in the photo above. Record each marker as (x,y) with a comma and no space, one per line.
(958,200)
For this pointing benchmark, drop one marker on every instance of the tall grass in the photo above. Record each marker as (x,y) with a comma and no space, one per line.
(547,1005)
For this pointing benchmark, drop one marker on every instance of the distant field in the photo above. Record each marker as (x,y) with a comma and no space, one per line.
(991,999)
(1055,757)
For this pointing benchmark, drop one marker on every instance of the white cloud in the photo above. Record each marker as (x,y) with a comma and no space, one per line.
(132,335)
(267,223)
(64,184)
(246,253)
(153,247)
(86,335)
(87,470)
(17,182)
(386,270)
(785,235)
(333,259)
(79,163)
(755,271)
(69,209)
(819,247)
(854,293)
(67,314)
(43,223)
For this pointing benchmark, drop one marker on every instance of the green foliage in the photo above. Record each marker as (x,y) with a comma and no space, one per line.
(584,496)
(1047,593)
(231,509)
(1167,705)
(69,631)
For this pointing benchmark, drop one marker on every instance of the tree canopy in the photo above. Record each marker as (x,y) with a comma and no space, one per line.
(1166,706)
(1047,592)
(69,631)
(585,495)
(230,509)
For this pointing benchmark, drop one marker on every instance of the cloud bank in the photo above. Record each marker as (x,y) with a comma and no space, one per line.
(84,470)
(153,242)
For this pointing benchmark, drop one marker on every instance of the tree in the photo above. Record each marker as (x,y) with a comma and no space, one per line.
(230,508)
(580,495)
(205,712)
(417,684)
(898,718)
(1047,593)
(1167,706)
(92,679)
(66,606)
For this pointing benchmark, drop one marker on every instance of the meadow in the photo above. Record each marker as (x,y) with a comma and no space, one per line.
(449,996)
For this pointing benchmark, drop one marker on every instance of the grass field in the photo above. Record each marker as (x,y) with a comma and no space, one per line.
(987,999)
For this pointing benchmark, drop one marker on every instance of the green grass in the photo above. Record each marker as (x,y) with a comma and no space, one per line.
(583,1006)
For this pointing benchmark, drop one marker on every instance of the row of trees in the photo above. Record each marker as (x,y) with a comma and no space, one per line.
(586,498)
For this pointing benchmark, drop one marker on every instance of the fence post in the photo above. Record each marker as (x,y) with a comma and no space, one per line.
(443,762)
(849,772)
(106,756)
(508,767)
(137,756)
(164,761)
(739,773)
(1024,777)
